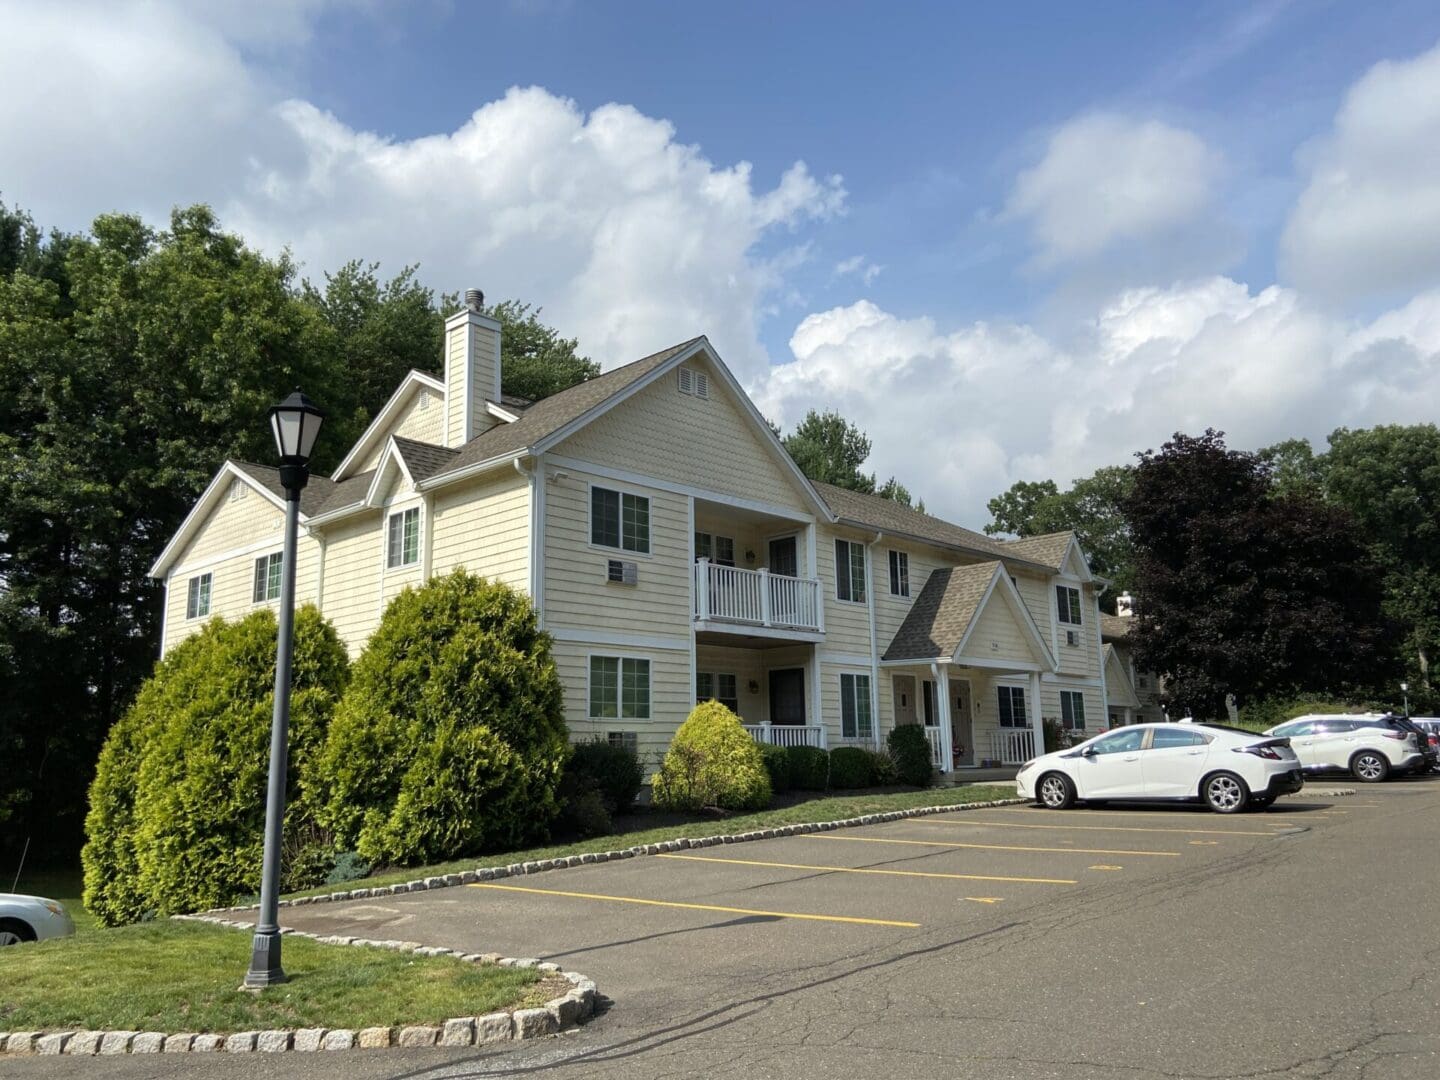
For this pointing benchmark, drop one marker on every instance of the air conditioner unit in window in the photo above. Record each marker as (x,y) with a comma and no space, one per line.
(622,572)
(1072,637)
(624,739)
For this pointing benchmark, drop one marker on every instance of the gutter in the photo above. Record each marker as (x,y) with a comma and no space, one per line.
(990,556)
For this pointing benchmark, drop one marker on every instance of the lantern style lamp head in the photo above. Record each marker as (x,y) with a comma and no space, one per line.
(296,423)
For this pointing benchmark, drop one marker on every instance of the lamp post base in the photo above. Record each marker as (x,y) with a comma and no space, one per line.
(265,969)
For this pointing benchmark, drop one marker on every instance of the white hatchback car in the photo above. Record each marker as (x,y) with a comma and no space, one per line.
(1369,747)
(32,918)
(1226,768)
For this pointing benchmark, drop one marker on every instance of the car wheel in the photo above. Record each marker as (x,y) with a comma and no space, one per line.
(1226,793)
(1055,791)
(13,932)
(1370,766)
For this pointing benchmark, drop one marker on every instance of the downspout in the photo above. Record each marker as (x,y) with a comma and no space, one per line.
(874,647)
(164,613)
(1100,654)
(536,477)
(320,570)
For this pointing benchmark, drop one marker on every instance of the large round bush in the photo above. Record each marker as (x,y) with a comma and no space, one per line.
(712,762)
(451,737)
(177,807)
(851,767)
(910,750)
(809,767)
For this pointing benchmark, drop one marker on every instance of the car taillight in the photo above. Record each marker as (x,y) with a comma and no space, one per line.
(1259,751)
(1399,736)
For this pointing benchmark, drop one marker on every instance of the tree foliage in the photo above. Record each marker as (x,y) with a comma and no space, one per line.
(830,449)
(712,762)
(535,361)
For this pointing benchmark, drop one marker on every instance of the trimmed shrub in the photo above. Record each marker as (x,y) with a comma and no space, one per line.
(712,762)
(614,771)
(451,737)
(347,866)
(850,767)
(1054,734)
(809,768)
(910,750)
(882,768)
(777,765)
(177,807)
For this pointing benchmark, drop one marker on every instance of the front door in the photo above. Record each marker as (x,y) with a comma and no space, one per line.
(783,558)
(787,696)
(962,724)
(904,699)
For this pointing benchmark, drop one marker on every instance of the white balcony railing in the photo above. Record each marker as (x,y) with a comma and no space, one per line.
(787,734)
(756,598)
(1012,746)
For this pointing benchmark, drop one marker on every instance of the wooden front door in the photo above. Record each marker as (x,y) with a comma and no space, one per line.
(783,557)
(904,688)
(787,696)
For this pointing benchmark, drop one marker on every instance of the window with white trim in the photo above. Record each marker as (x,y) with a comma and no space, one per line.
(619,688)
(899,573)
(855,706)
(267,577)
(718,549)
(1012,706)
(849,571)
(1067,604)
(619,520)
(1072,710)
(402,538)
(197,601)
(717,686)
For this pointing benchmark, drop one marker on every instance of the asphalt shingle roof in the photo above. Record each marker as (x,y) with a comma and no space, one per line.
(1048,550)
(941,613)
(423,459)
(1113,626)
(315,494)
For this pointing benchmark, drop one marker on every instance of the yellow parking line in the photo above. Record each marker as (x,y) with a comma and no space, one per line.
(867,870)
(696,907)
(1094,828)
(1173,816)
(991,847)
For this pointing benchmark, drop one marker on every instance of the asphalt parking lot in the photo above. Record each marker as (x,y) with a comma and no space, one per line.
(1008,942)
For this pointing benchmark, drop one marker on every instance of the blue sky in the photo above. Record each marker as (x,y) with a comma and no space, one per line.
(1011,241)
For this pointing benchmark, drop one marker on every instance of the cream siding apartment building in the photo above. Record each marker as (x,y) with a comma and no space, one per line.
(674,553)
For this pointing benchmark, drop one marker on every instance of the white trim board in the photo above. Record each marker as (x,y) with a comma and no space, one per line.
(623,476)
(618,639)
(386,416)
(214,491)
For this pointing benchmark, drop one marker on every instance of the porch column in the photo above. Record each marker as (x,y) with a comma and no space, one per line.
(1037,723)
(702,588)
(816,716)
(941,673)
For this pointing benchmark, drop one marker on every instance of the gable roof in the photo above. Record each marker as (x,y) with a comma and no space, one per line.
(1113,627)
(267,477)
(422,460)
(386,416)
(1048,550)
(948,608)
(1118,689)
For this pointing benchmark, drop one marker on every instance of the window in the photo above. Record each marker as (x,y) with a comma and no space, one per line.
(855,706)
(1167,738)
(1072,710)
(619,520)
(849,571)
(197,604)
(1012,706)
(717,686)
(619,688)
(718,549)
(402,544)
(1067,603)
(899,573)
(267,578)
(1121,742)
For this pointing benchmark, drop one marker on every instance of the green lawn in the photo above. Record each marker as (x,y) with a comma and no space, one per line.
(832,808)
(176,976)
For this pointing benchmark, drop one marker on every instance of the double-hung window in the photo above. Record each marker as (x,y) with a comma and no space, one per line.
(619,688)
(899,573)
(267,577)
(718,549)
(197,603)
(1067,604)
(849,571)
(855,706)
(1072,710)
(717,686)
(402,538)
(1012,706)
(619,520)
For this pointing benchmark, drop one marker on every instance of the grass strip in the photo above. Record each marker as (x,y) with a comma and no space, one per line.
(177,976)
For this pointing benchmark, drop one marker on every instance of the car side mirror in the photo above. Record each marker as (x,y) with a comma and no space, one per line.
(1089,751)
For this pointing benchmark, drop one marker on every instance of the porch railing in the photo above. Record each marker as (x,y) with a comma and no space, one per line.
(1012,746)
(937,748)
(756,597)
(788,734)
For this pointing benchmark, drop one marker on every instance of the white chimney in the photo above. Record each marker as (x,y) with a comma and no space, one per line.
(472,370)
(1125,605)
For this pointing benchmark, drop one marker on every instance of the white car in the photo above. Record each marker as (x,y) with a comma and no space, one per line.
(1226,768)
(1369,747)
(32,918)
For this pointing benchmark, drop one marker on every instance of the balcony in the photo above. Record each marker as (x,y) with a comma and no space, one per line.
(757,602)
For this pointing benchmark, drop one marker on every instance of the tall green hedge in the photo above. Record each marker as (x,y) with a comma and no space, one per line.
(451,737)
(177,807)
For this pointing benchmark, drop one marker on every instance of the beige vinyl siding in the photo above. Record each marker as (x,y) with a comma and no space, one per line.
(236,523)
(1118,685)
(472,356)
(1035,591)
(671,695)
(484,526)
(746,665)
(577,594)
(830,673)
(1096,719)
(847,624)
(422,419)
(1082,659)
(456,378)
(997,635)
(705,443)
(354,563)
(891,610)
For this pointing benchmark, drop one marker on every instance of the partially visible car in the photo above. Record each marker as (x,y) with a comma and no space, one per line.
(1428,746)
(1226,768)
(1368,746)
(32,918)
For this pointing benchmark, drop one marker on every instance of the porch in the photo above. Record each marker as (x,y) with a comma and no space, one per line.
(770,685)
(974,719)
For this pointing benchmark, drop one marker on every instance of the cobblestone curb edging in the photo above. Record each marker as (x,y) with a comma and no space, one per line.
(571,1008)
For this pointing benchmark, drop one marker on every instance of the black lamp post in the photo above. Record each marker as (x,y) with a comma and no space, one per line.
(296,422)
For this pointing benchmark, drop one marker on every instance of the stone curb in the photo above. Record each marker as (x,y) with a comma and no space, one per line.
(573,1007)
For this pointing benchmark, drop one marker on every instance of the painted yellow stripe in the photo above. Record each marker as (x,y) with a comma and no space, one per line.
(1172,816)
(868,870)
(990,847)
(1095,828)
(696,907)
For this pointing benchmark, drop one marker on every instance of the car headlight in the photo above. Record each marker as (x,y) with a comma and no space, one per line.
(54,908)
(1028,765)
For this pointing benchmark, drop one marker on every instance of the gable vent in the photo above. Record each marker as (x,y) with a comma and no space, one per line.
(694,383)
(622,572)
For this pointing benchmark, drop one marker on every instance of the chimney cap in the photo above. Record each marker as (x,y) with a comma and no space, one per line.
(474,299)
